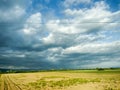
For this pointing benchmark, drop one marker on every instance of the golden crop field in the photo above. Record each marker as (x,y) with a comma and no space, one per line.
(62,80)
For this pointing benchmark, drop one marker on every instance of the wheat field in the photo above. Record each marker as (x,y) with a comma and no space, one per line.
(62,80)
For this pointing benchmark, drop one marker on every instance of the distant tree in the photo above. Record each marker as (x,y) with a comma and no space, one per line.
(100,69)
(112,68)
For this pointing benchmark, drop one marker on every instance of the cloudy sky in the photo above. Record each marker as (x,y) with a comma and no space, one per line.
(54,34)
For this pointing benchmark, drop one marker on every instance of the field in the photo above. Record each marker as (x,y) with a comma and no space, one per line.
(62,80)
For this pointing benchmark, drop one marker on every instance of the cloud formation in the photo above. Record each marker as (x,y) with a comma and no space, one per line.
(74,37)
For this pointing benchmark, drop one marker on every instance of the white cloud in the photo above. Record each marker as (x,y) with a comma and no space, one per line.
(49,39)
(58,26)
(93,48)
(33,24)
(89,20)
(103,64)
(35,20)
(83,20)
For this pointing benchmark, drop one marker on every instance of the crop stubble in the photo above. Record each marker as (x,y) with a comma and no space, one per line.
(60,81)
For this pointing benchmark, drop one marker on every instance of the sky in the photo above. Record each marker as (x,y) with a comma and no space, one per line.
(59,34)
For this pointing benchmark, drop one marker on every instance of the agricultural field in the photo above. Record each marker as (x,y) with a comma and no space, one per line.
(62,80)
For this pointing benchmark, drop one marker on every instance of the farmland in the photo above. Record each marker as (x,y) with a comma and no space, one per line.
(62,80)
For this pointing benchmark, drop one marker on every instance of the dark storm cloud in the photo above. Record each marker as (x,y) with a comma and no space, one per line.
(19,63)
(25,60)
(6,4)
(12,17)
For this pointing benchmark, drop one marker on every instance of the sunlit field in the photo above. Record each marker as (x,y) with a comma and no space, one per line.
(62,80)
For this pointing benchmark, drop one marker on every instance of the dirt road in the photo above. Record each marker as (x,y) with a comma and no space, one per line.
(8,83)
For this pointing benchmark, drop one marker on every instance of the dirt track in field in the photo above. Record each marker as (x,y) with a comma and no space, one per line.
(8,84)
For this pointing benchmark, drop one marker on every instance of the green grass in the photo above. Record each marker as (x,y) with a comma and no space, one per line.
(93,71)
(42,83)
(94,76)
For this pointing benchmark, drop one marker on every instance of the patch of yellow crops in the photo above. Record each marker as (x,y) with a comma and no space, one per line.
(61,80)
